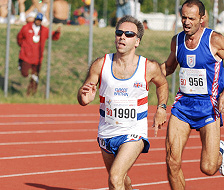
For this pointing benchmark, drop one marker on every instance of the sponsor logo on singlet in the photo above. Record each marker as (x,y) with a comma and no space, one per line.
(137,85)
(121,92)
(191,60)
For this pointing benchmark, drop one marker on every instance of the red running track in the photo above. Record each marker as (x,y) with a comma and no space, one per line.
(53,147)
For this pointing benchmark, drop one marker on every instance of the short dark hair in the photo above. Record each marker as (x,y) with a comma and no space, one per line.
(198,3)
(133,20)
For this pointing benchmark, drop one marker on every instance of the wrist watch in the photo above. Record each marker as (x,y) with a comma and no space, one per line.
(162,106)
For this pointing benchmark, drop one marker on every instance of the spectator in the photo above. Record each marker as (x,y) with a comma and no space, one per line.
(123,8)
(145,24)
(220,23)
(31,39)
(82,15)
(4,12)
(135,10)
(44,7)
(29,15)
(60,11)
(205,23)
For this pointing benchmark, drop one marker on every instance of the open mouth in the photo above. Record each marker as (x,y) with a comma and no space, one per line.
(121,44)
(187,28)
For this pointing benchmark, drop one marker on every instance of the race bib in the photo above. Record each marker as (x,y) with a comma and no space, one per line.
(120,112)
(193,81)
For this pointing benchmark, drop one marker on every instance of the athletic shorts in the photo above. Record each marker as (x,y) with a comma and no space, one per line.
(197,112)
(111,145)
(56,20)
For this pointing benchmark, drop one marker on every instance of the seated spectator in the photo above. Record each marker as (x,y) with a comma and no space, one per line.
(4,12)
(44,7)
(60,11)
(29,15)
(82,15)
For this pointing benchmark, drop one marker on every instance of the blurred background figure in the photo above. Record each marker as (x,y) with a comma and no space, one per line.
(220,23)
(4,12)
(60,11)
(42,6)
(135,10)
(123,8)
(31,38)
(82,15)
(145,24)
(206,20)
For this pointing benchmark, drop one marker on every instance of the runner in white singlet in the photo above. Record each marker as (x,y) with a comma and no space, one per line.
(123,79)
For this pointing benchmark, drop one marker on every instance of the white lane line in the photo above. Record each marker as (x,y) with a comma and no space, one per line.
(52,122)
(49,155)
(51,172)
(166,182)
(49,122)
(58,131)
(54,115)
(74,153)
(60,142)
(46,115)
(48,142)
(81,169)
(45,131)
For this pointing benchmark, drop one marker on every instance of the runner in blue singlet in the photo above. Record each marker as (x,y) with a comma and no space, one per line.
(199,102)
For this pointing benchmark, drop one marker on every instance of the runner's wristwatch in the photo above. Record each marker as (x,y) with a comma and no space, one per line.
(162,106)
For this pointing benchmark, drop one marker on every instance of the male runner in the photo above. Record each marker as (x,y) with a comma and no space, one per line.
(123,79)
(199,52)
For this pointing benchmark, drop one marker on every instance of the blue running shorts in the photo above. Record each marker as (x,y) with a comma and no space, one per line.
(197,111)
(111,145)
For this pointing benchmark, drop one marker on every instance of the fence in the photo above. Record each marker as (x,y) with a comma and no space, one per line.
(156,22)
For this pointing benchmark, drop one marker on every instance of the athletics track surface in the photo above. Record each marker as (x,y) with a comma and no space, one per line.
(53,147)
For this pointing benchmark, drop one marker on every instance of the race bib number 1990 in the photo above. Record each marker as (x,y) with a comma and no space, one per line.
(120,112)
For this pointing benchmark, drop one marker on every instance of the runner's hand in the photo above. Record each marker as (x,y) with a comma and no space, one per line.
(159,119)
(88,92)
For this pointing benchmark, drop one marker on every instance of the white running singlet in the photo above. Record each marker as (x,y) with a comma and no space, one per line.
(123,102)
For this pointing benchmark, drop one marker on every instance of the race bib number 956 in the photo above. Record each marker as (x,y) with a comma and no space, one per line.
(193,81)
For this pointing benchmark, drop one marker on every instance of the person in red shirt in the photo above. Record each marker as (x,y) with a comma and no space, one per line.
(31,38)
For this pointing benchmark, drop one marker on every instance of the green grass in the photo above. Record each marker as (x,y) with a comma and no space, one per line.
(69,57)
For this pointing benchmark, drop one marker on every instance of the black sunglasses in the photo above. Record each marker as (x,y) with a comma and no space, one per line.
(128,34)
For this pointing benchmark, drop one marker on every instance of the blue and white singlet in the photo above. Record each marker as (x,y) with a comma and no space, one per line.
(200,80)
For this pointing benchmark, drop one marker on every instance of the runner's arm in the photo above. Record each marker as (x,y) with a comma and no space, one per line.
(169,66)
(156,76)
(87,91)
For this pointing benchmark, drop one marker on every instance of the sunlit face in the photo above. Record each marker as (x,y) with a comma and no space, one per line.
(191,19)
(123,43)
